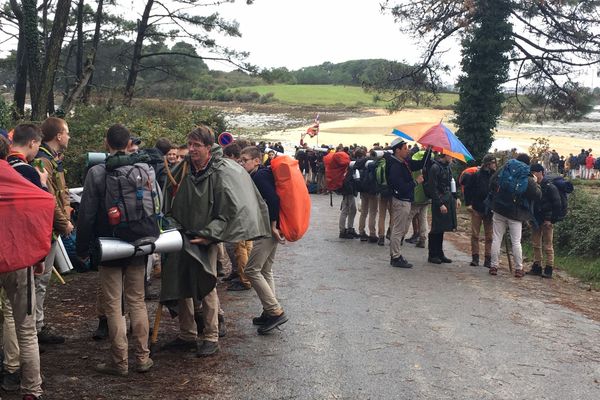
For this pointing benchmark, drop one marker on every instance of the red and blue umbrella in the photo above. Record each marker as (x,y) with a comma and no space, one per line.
(441,139)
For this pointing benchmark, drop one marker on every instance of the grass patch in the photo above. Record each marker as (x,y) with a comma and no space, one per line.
(332,95)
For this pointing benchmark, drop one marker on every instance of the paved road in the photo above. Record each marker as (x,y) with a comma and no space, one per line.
(360,329)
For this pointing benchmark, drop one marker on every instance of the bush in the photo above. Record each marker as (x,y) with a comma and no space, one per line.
(6,121)
(149,120)
(579,233)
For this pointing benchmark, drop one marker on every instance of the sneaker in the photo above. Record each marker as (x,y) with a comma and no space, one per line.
(547,272)
(421,244)
(109,369)
(237,286)
(272,322)
(206,348)
(46,336)
(222,327)
(536,269)
(102,330)
(11,382)
(474,260)
(488,262)
(413,239)
(434,260)
(519,273)
(180,345)
(144,367)
(401,262)
(260,320)
(233,275)
(363,237)
(445,259)
(381,241)
(343,235)
(493,271)
(352,234)
(373,239)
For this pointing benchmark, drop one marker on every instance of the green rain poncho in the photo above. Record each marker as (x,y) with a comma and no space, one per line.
(223,205)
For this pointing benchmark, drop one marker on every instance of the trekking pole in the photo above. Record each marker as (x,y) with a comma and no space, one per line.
(156,326)
(58,276)
(508,253)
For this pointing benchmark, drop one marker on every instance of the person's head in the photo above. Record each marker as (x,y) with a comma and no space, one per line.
(163,145)
(359,153)
(3,148)
(232,151)
(250,158)
(55,133)
(117,138)
(172,156)
(200,141)
(271,154)
(523,157)
(537,170)
(134,144)
(182,151)
(489,162)
(27,139)
(400,148)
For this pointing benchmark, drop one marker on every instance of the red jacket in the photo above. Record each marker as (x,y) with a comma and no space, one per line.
(589,162)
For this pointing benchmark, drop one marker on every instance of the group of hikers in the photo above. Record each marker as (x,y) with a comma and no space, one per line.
(406,182)
(212,194)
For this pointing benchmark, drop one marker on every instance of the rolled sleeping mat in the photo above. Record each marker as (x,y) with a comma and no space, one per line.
(110,249)
(92,159)
(61,259)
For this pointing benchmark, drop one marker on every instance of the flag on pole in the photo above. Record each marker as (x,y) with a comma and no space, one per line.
(314,130)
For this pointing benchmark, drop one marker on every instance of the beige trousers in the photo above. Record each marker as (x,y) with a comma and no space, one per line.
(260,273)
(127,282)
(368,207)
(476,221)
(385,207)
(401,220)
(242,253)
(542,239)
(188,330)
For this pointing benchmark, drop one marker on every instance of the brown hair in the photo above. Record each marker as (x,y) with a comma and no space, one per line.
(51,127)
(203,134)
(24,133)
(252,151)
(4,148)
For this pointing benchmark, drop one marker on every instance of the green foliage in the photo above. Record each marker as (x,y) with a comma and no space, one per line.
(149,120)
(539,146)
(6,120)
(485,67)
(579,233)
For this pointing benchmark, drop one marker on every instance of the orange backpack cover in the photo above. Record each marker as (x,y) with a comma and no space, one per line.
(294,200)
(467,171)
(336,165)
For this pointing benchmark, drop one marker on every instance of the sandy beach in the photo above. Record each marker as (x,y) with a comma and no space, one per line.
(369,130)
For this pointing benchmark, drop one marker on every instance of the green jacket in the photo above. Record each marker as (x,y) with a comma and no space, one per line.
(223,205)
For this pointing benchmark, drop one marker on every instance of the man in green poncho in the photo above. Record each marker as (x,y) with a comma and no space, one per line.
(213,200)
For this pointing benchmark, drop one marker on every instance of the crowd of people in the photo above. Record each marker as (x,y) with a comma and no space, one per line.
(224,201)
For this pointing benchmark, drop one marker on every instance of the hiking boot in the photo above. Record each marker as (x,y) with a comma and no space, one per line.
(536,269)
(434,260)
(102,330)
(46,336)
(373,239)
(400,262)
(11,382)
(109,369)
(272,322)
(488,261)
(421,243)
(207,349)
(493,271)
(260,320)
(413,239)
(519,273)
(445,259)
(237,286)
(344,234)
(547,272)
(351,233)
(180,345)
(381,241)
(222,327)
(474,260)
(363,237)
(232,275)
(144,367)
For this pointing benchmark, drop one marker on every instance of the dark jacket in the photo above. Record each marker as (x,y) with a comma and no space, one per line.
(438,180)
(400,180)
(519,210)
(57,187)
(477,188)
(549,206)
(19,163)
(265,183)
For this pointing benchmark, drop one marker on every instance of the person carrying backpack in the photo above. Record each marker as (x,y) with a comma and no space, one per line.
(368,197)
(115,203)
(513,190)
(547,211)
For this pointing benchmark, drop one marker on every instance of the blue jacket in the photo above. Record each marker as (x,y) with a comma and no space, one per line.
(400,180)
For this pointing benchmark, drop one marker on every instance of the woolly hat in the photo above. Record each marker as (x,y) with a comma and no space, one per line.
(537,168)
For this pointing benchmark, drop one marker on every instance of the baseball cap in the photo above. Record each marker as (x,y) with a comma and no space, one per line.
(396,143)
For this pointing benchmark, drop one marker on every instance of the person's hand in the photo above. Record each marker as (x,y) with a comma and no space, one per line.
(277,235)
(38,268)
(458,204)
(43,176)
(200,240)
(443,209)
(69,229)
(419,179)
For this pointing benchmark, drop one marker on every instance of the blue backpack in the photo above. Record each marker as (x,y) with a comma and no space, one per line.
(512,184)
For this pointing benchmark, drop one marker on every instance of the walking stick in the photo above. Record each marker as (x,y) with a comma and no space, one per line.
(508,254)
(154,338)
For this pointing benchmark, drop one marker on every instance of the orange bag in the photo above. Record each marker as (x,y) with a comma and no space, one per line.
(26,212)
(466,172)
(336,165)
(294,200)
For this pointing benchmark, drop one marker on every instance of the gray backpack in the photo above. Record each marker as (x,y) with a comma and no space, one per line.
(132,202)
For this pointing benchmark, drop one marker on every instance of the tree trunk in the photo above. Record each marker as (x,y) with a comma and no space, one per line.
(30,31)
(21,72)
(79,61)
(94,51)
(137,52)
(71,97)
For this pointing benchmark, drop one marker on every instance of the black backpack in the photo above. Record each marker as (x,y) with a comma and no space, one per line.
(564,189)
(131,189)
(350,183)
